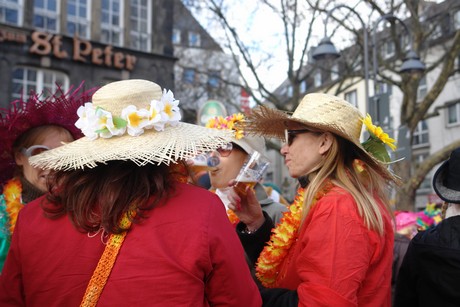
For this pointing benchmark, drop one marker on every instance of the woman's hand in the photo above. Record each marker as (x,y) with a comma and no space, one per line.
(247,208)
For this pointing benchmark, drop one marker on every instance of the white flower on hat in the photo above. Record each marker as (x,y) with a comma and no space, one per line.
(157,117)
(171,107)
(137,120)
(87,120)
(105,124)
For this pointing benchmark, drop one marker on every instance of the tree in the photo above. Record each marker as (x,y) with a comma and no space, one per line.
(299,32)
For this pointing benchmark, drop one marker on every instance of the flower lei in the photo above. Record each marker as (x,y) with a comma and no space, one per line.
(96,122)
(282,238)
(12,192)
(377,140)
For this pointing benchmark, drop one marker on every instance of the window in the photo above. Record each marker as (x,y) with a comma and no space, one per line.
(26,80)
(335,72)
(141,21)
(405,43)
(111,22)
(46,15)
(421,136)
(78,18)
(11,12)
(457,20)
(194,39)
(317,79)
(381,88)
(453,114)
(214,79)
(422,89)
(436,32)
(388,49)
(418,160)
(303,86)
(189,75)
(352,98)
(176,36)
(290,91)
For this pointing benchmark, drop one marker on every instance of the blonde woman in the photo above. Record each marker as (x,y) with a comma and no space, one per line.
(334,247)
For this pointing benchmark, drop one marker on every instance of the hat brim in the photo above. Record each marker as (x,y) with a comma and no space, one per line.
(179,142)
(446,194)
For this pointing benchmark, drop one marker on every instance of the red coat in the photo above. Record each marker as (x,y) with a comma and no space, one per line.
(337,260)
(185,254)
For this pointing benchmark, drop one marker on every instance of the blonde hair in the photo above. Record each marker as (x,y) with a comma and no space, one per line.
(365,186)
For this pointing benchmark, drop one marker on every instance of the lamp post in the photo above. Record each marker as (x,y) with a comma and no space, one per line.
(326,48)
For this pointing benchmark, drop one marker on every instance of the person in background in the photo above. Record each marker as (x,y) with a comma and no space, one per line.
(232,158)
(121,226)
(28,128)
(335,245)
(431,267)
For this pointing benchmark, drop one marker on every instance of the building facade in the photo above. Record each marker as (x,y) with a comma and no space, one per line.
(44,42)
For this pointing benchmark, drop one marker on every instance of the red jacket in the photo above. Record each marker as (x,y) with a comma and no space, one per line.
(337,260)
(186,253)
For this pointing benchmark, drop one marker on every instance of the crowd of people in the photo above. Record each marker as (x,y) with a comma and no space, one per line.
(100,206)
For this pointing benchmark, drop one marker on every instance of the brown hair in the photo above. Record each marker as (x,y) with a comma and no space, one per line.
(97,197)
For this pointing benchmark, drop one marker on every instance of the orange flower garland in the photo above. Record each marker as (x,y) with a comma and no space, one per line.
(12,192)
(282,238)
(232,217)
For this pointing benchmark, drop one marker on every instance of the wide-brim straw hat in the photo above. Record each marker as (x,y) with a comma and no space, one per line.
(177,141)
(446,180)
(318,111)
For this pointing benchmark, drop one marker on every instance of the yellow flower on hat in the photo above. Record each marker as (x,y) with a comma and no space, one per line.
(136,119)
(378,132)
(170,107)
(227,123)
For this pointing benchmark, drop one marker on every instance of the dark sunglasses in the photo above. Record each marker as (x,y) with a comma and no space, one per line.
(225,150)
(290,135)
(34,150)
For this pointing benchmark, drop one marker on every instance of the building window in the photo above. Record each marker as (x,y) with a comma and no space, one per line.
(176,36)
(317,79)
(194,39)
(11,12)
(303,86)
(388,49)
(111,22)
(214,79)
(405,43)
(26,80)
(453,114)
(188,75)
(381,88)
(78,18)
(418,160)
(421,136)
(46,15)
(436,32)
(141,21)
(457,20)
(352,97)
(335,72)
(422,89)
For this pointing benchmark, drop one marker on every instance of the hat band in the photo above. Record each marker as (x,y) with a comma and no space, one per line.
(95,121)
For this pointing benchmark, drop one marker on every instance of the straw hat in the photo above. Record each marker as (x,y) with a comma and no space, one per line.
(446,180)
(323,112)
(131,120)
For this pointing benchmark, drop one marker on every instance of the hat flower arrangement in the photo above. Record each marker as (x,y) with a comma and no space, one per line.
(228,123)
(377,140)
(96,122)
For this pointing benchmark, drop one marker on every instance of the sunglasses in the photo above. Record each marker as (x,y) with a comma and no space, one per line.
(290,135)
(34,150)
(225,150)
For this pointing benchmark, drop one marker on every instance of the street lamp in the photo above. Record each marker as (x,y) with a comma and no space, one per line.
(326,49)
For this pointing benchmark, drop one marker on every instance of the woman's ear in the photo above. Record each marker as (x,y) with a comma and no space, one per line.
(19,158)
(326,140)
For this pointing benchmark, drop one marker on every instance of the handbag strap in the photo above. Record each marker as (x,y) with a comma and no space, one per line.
(105,264)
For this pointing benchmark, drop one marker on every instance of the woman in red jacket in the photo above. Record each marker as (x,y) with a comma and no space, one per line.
(334,246)
(120,226)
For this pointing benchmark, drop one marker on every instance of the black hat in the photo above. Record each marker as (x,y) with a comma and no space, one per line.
(446,180)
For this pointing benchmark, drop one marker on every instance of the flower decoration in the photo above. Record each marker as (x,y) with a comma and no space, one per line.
(97,122)
(12,192)
(377,140)
(228,123)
